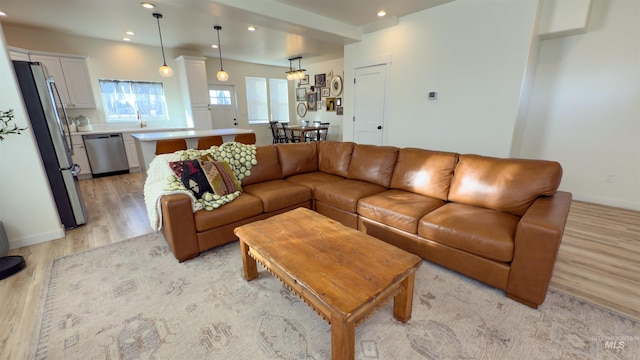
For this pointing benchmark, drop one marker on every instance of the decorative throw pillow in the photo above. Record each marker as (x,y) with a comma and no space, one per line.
(192,176)
(221,178)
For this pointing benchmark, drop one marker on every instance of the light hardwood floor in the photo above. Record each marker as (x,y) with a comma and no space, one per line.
(599,258)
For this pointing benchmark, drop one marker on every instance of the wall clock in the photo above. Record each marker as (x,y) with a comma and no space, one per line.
(301,109)
(336,85)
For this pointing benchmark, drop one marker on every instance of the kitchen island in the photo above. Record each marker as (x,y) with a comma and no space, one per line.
(146,142)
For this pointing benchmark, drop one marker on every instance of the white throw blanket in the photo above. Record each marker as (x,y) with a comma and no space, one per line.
(158,175)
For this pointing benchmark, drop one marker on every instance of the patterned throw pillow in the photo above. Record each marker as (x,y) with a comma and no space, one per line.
(192,176)
(221,178)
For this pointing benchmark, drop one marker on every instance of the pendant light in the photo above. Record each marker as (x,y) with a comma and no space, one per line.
(165,70)
(222,75)
(295,74)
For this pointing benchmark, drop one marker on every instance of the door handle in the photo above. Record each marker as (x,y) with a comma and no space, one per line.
(379,127)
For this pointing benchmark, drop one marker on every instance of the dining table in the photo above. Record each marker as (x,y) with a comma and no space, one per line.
(313,129)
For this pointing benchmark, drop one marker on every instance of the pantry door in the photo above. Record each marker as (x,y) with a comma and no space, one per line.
(222,103)
(369,105)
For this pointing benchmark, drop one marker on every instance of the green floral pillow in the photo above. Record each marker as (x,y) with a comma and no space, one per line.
(239,157)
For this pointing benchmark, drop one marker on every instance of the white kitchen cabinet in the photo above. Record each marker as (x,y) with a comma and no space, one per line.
(130,149)
(71,75)
(18,54)
(80,157)
(192,74)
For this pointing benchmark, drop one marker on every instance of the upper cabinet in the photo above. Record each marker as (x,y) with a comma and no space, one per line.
(71,75)
(192,74)
(193,80)
(18,54)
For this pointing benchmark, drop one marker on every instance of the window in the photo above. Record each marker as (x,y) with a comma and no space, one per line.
(219,97)
(270,103)
(125,100)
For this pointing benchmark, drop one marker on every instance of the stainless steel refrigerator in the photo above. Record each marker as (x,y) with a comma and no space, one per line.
(50,126)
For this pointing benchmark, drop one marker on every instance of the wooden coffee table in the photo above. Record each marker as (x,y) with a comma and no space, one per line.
(343,274)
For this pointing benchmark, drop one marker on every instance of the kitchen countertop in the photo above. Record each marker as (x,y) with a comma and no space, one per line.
(128,131)
(187,134)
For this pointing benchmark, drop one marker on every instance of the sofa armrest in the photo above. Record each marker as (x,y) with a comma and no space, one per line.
(179,227)
(537,241)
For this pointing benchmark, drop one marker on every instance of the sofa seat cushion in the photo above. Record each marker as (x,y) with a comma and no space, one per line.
(243,207)
(344,194)
(313,179)
(398,208)
(279,194)
(483,232)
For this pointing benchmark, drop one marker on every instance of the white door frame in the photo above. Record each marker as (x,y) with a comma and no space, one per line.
(367,62)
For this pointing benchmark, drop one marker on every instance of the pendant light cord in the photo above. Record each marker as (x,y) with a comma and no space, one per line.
(158,16)
(219,47)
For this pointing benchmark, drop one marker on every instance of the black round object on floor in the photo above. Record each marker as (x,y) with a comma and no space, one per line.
(10,265)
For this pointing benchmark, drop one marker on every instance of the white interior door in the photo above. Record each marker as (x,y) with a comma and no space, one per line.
(369,104)
(222,102)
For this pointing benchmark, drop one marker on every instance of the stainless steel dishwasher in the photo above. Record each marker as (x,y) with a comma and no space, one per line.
(106,154)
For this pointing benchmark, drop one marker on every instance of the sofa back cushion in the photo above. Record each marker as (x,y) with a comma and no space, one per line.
(298,158)
(509,185)
(424,172)
(267,167)
(373,164)
(334,157)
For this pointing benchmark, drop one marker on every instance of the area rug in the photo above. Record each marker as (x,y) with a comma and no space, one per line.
(133,300)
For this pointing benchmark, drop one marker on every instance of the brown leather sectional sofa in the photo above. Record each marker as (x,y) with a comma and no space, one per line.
(499,221)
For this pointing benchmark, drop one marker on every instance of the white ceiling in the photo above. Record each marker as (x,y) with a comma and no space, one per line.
(317,30)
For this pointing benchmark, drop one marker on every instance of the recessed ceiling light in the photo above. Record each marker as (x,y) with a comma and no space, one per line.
(130,33)
(382,13)
(215,46)
(2,13)
(147,5)
(126,39)
(251,28)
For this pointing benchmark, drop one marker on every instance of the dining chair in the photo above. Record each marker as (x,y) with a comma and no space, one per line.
(170,145)
(205,143)
(312,135)
(290,135)
(322,133)
(278,135)
(248,139)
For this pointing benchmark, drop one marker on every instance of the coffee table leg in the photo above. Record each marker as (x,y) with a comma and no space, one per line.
(403,302)
(343,339)
(249,265)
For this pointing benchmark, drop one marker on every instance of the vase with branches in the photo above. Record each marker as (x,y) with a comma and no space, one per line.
(6,127)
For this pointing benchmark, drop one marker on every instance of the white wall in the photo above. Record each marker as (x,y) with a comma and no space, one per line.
(474,54)
(27,209)
(584,108)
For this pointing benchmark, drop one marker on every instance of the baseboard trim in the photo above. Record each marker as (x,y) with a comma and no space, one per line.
(36,239)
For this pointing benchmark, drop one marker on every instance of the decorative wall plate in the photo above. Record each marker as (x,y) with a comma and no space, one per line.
(301,109)
(329,74)
(336,85)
